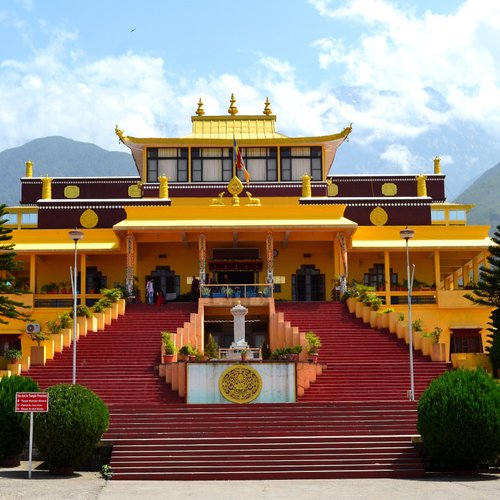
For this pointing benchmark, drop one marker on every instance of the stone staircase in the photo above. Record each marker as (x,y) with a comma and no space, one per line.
(355,421)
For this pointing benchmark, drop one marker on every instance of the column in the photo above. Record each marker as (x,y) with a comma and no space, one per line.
(270,258)
(387,277)
(202,258)
(239,312)
(130,271)
(33,272)
(83,277)
(437,269)
(343,252)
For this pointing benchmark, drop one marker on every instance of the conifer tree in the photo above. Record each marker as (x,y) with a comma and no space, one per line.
(9,309)
(487,292)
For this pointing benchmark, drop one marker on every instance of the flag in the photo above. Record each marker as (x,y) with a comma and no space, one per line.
(238,161)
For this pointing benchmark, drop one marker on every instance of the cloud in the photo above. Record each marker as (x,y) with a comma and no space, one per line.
(456,55)
(398,155)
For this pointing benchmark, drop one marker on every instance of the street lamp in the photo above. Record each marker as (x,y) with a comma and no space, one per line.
(407,234)
(76,236)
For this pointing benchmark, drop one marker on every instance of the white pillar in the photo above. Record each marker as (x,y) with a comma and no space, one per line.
(239,313)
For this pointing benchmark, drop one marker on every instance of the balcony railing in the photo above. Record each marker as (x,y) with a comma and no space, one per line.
(236,290)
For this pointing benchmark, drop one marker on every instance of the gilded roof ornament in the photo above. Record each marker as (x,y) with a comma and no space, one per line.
(200,111)
(267,107)
(233,110)
(120,133)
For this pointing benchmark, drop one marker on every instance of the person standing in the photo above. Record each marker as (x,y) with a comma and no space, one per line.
(150,291)
(195,289)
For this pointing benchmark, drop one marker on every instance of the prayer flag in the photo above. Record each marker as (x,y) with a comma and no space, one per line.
(238,161)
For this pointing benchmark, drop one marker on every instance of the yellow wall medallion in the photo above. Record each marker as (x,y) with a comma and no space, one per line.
(389,189)
(89,219)
(240,384)
(71,191)
(333,189)
(235,186)
(378,216)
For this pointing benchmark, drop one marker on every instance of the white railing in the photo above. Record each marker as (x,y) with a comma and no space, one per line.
(234,354)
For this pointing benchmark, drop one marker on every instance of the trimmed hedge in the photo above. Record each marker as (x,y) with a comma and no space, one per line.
(14,427)
(76,420)
(459,419)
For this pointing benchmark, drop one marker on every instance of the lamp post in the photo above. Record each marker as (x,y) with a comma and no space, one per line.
(407,234)
(76,236)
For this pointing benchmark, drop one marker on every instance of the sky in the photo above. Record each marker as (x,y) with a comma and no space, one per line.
(394,69)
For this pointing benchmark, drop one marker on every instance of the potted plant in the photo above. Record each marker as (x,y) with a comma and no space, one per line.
(169,348)
(383,317)
(244,354)
(185,352)
(13,356)
(38,352)
(54,329)
(205,291)
(313,346)
(99,312)
(66,324)
(401,326)
(418,332)
(82,313)
(211,349)
(431,339)
(113,295)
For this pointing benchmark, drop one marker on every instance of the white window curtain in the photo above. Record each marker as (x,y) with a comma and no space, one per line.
(300,166)
(256,169)
(168,168)
(212,170)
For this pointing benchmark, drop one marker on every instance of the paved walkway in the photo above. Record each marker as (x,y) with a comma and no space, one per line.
(14,485)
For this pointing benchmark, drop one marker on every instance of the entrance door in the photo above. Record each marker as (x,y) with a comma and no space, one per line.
(308,284)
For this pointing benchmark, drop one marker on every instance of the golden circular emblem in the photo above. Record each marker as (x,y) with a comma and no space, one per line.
(333,189)
(89,219)
(240,384)
(235,186)
(389,189)
(135,191)
(71,191)
(378,216)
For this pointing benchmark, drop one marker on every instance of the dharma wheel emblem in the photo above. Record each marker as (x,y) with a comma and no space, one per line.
(240,384)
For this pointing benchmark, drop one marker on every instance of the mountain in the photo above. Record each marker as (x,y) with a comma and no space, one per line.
(484,193)
(58,157)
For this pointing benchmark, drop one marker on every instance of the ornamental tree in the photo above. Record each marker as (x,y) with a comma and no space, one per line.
(487,292)
(9,309)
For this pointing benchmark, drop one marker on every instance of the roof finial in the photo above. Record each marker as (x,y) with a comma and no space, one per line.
(200,111)
(232,109)
(267,107)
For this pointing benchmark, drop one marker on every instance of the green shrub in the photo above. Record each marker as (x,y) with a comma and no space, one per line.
(211,349)
(112,294)
(81,311)
(65,320)
(13,426)
(74,424)
(168,343)
(459,419)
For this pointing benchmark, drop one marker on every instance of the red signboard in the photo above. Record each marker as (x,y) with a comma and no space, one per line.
(32,401)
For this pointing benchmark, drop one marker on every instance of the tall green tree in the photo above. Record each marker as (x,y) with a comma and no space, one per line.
(487,292)
(9,309)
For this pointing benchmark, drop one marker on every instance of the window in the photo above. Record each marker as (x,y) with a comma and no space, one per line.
(211,164)
(466,340)
(297,161)
(261,163)
(437,216)
(170,162)
(456,215)
(29,219)
(10,218)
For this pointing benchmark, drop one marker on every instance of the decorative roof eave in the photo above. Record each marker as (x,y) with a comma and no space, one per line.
(399,244)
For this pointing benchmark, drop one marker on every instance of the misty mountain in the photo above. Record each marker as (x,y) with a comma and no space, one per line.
(58,157)
(484,194)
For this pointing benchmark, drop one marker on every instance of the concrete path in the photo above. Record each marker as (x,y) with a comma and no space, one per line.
(14,485)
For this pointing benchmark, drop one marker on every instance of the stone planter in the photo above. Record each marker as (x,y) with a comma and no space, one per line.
(417,340)
(427,345)
(108,316)
(400,329)
(67,334)
(367,310)
(92,324)
(438,352)
(101,320)
(115,310)
(373,318)
(358,310)
(58,339)
(38,355)
(351,304)
(82,326)
(122,303)
(15,368)
(393,321)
